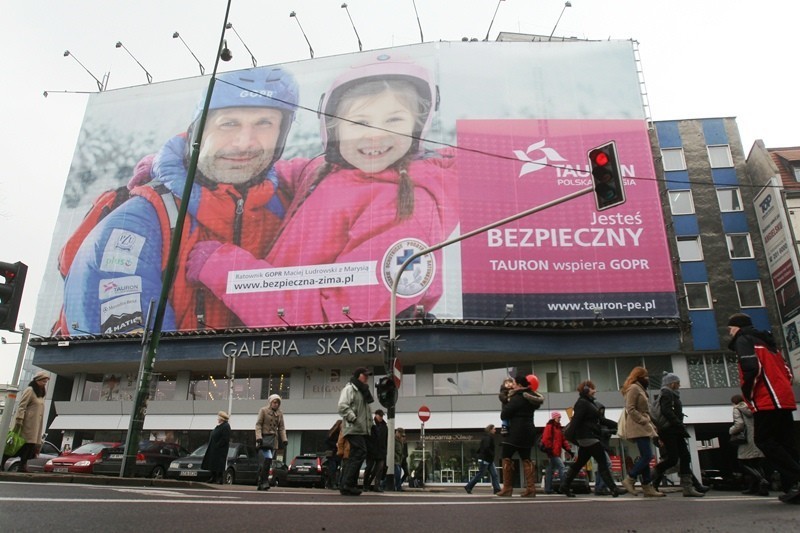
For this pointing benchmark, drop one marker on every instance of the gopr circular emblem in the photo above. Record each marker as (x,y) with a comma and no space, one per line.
(417,276)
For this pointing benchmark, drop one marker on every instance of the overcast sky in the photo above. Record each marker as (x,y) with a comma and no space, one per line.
(701,58)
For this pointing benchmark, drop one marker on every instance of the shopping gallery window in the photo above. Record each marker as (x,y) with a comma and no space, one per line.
(719,156)
(713,371)
(739,246)
(730,200)
(672,159)
(681,203)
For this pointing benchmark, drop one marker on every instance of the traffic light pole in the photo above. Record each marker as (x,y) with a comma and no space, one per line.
(12,391)
(391,343)
(145,374)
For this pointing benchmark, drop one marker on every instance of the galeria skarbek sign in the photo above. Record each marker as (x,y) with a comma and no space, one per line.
(293,348)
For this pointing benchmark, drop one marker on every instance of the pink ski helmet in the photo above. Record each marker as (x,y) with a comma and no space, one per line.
(382,67)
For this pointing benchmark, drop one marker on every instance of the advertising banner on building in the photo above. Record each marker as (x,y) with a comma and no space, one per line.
(316,180)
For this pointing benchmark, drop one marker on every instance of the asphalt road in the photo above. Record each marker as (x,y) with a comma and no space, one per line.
(59,506)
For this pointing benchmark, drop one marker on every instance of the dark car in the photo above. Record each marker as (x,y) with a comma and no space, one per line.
(48,451)
(579,485)
(242,466)
(152,459)
(81,460)
(277,473)
(307,469)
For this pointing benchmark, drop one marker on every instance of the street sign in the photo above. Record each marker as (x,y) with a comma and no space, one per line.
(397,372)
(424,413)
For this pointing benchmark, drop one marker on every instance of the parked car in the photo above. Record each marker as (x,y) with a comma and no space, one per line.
(152,459)
(579,485)
(277,473)
(307,469)
(81,460)
(48,451)
(242,465)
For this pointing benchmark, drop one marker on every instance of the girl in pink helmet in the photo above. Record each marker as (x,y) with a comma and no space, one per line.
(374,199)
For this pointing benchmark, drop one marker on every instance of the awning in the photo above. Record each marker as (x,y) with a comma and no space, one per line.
(90,422)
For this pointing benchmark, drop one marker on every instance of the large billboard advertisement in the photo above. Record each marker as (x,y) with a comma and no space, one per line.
(316,180)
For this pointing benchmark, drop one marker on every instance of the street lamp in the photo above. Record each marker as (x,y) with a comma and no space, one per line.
(294,16)
(229,26)
(149,77)
(566,5)
(492,22)
(177,35)
(100,85)
(344,6)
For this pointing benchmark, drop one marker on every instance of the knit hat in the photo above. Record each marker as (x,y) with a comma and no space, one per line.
(223,415)
(361,370)
(555,415)
(740,320)
(669,378)
(41,374)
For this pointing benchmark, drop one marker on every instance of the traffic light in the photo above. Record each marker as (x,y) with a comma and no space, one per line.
(387,392)
(389,349)
(11,293)
(606,176)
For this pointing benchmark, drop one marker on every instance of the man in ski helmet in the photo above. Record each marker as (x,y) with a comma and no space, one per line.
(234,198)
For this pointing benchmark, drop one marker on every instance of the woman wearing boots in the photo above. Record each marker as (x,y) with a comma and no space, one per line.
(639,428)
(587,420)
(673,434)
(750,457)
(521,434)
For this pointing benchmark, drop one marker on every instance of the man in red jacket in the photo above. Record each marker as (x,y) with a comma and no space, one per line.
(552,444)
(766,382)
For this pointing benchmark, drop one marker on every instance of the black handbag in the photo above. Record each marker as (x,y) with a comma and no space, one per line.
(268,442)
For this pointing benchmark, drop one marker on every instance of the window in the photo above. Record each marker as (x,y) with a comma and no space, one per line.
(698,296)
(204,387)
(739,246)
(730,200)
(689,249)
(680,202)
(713,371)
(750,294)
(720,156)
(672,159)
(796,170)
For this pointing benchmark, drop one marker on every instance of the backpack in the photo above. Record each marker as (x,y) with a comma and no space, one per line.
(658,418)
(162,200)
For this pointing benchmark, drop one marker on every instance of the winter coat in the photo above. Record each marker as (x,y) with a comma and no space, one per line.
(553,439)
(216,456)
(270,422)
(588,419)
(349,218)
(519,412)
(764,375)
(355,412)
(743,421)
(118,268)
(672,411)
(637,411)
(377,444)
(30,415)
(486,448)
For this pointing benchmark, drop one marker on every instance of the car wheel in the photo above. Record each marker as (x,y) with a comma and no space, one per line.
(14,467)
(230,477)
(158,473)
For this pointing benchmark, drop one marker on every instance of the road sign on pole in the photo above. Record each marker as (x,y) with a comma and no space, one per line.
(424,413)
(397,372)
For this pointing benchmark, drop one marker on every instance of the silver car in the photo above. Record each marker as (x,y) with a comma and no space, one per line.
(49,450)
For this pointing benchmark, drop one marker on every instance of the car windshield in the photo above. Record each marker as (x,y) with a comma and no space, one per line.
(201,450)
(90,449)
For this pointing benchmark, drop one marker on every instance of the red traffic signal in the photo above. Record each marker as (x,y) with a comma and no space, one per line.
(13,275)
(609,190)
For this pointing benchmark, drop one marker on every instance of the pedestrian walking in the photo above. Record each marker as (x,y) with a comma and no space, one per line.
(485,461)
(586,422)
(766,383)
(554,444)
(357,423)
(215,460)
(332,453)
(270,437)
(674,434)
(376,453)
(640,429)
(400,456)
(521,433)
(29,419)
(750,457)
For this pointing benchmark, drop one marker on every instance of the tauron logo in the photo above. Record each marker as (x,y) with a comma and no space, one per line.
(537,157)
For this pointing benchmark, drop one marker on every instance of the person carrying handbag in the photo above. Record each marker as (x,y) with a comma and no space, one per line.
(270,437)
(748,454)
